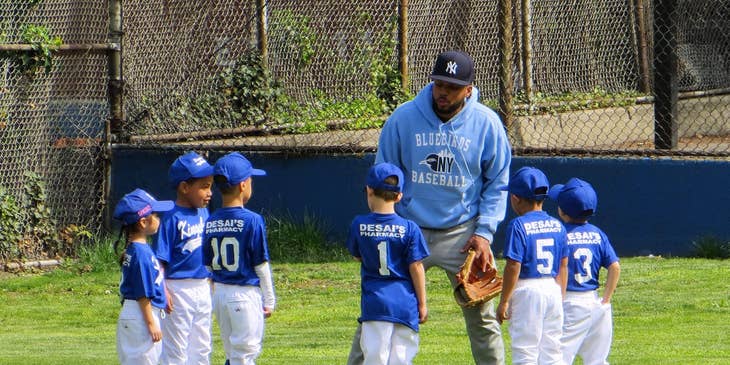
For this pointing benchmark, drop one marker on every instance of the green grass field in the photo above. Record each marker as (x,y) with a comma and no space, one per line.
(666,311)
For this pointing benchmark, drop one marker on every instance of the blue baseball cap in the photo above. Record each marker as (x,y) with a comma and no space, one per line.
(378,174)
(188,166)
(139,204)
(576,198)
(454,67)
(235,168)
(528,182)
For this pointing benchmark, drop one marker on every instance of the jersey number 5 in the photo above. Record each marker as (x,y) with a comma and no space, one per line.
(220,253)
(543,252)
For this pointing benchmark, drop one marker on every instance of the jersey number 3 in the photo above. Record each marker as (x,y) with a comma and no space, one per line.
(220,253)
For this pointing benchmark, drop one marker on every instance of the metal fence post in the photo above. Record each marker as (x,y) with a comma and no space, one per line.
(506,84)
(114,127)
(665,75)
(263,41)
(527,47)
(403,45)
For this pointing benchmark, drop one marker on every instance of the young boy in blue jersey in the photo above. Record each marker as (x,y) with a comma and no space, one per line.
(587,327)
(535,273)
(390,249)
(142,285)
(235,250)
(178,242)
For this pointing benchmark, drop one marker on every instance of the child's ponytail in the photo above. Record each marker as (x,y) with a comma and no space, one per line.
(123,236)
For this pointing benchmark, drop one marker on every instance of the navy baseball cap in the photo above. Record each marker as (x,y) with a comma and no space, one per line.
(235,168)
(139,204)
(188,166)
(528,182)
(576,198)
(454,67)
(378,174)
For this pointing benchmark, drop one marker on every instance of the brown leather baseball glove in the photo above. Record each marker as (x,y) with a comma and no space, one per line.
(475,286)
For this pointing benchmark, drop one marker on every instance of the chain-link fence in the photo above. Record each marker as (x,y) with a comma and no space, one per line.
(52,111)
(580,77)
(582,72)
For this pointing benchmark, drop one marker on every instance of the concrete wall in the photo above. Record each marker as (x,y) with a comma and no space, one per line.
(646,205)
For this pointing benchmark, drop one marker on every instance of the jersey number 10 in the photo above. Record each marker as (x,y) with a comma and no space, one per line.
(220,253)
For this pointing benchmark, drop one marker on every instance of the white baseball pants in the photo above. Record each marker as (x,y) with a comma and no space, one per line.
(387,343)
(240,314)
(536,323)
(134,343)
(186,332)
(588,328)
(485,333)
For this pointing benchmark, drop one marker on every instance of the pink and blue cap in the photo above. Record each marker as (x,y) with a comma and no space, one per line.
(528,182)
(139,204)
(188,166)
(575,198)
(378,173)
(235,168)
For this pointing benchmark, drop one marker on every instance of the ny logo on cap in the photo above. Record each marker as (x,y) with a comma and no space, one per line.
(451,67)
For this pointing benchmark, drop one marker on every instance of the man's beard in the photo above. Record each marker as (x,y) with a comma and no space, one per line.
(449,110)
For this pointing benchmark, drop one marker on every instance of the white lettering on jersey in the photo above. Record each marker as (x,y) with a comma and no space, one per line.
(192,244)
(190,230)
(156,265)
(544,226)
(577,238)
(382,230)
(224,225)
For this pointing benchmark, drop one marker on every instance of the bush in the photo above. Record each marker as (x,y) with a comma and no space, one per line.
(710,247)
(301,241)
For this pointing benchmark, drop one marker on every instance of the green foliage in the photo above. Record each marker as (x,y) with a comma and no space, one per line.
(710,247)
(11,231)
(95,255)
(296,35)
(305,240)
(246,94)
(248,89)
(42,44)
(540,103)
(40,226)
(27,228)
(243,94)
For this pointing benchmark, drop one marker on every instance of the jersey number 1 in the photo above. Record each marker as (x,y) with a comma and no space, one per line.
(383,255)
(221,253)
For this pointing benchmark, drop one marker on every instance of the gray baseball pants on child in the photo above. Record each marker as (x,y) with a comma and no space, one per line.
(484,331)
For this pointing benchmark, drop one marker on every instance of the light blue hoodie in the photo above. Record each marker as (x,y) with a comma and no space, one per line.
(453,170)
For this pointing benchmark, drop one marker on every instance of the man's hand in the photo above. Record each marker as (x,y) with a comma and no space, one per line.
(482,248)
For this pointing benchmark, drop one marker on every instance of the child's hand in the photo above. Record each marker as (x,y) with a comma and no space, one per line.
(422,313)
(155,332)
(503,312)
(168,307)
(267,312)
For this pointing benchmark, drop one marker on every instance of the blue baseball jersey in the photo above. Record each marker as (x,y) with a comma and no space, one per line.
(234,244)
(589,250)
(142,275)
(387,244)
(179,241)
(538,242)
